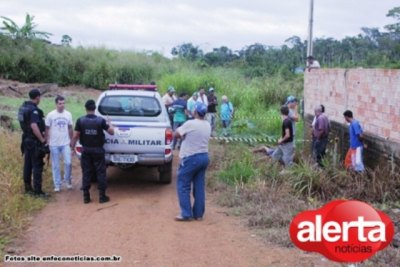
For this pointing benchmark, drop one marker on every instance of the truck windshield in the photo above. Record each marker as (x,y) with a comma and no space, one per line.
(141,106)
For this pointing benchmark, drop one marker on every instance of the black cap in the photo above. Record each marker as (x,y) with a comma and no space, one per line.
(90,105)
(34,93)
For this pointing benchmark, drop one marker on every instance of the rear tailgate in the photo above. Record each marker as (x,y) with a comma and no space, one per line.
(139,143)
(136,139)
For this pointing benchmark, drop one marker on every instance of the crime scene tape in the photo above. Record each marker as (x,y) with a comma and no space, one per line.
(254,117)
(228,139)
(268,140)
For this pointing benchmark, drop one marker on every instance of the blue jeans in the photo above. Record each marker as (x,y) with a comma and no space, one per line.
(211,118)
(176,125)
(192,169)
(56,152)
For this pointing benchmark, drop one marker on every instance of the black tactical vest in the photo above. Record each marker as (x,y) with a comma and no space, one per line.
(24,118)
(91,135)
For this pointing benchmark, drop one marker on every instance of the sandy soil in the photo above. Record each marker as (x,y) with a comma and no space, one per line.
(137,225)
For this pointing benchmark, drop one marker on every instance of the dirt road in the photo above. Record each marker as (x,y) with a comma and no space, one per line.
(137,225)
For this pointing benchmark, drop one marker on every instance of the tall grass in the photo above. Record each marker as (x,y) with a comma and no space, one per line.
(255,113)
(15,207)
(269,198)
(239,170)
(35,61)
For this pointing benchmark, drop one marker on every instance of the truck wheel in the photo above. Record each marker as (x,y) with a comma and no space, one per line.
(166,173)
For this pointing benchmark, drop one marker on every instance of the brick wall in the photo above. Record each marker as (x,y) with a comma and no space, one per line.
(374,97)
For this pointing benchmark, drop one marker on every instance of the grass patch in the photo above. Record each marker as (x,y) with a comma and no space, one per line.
(9,107)
(15,207)
(253,187)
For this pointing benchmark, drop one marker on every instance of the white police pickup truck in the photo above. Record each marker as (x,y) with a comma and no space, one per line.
(142,130)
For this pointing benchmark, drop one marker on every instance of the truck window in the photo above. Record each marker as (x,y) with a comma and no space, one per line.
(142,106)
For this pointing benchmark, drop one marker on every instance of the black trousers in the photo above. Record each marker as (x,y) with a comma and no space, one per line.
(93,165)
(319,149)
(33,163)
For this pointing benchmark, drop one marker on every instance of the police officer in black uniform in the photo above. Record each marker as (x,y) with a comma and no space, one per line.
(33,145)
(89,130)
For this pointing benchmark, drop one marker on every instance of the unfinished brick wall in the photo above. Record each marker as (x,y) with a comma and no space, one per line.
(372,94)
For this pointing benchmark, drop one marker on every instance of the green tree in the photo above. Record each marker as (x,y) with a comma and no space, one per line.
(27,31)
(66,40)
(220,56)
(187,51)
(394,13)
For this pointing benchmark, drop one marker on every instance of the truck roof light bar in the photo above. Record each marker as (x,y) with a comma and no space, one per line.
(146,87)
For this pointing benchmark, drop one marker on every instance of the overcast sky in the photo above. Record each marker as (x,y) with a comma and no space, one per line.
(160,25)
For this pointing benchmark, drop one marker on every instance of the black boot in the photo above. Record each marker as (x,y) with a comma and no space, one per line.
(28,189)
(103,198)
(41,194)
(86,196)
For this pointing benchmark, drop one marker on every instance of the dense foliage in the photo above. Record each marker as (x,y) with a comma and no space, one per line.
(371,48)
(26,56)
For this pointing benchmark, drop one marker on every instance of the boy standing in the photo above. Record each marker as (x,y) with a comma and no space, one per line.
(353,158)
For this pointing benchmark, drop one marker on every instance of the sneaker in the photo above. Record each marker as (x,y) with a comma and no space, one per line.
(284,172)
(182,219)
(57,189)
(69,185)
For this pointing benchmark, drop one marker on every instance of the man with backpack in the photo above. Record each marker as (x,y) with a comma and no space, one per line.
(33,145)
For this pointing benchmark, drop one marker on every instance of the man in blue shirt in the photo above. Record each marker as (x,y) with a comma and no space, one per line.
(353,158)
(179,109)
(226,114)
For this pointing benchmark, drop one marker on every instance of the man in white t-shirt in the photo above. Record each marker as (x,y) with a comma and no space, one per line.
(193,164)
(202,97)
(58,135)
(168,99)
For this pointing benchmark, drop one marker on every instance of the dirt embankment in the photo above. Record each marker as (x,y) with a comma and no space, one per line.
(17,89)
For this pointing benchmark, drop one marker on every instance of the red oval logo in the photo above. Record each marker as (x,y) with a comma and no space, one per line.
(342,230)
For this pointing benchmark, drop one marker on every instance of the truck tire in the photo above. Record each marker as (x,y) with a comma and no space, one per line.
(165,172)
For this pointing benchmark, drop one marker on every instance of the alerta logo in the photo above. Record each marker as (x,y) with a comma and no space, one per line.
(342,231)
